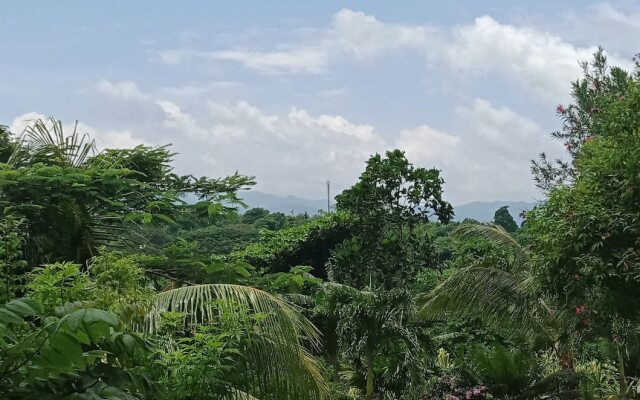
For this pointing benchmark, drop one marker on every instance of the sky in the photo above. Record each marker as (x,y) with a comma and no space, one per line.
(298,92)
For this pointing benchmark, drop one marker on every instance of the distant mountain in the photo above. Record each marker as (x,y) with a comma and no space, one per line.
(483,210)
(284,204)
(479,210)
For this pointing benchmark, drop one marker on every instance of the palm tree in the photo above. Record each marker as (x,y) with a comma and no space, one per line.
(279,362)
(46,142)
(374,323)
(502,293)
(82,222)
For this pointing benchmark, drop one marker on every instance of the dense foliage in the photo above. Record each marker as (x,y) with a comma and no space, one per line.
(120,279)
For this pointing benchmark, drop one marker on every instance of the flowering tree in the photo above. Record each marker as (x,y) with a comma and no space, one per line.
(586,238)
(590,94)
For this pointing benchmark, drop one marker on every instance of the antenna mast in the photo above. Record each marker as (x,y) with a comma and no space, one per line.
(328,197)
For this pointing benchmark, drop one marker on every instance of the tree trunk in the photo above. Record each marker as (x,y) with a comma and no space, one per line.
(622,378)
(369,395)
(564,356)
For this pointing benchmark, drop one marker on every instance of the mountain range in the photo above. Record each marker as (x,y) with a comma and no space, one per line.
(479,210)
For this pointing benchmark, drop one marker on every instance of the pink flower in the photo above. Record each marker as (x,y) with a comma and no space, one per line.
(621,98)
(560,109)
(580,309)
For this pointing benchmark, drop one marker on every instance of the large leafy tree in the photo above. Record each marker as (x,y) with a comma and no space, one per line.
(391,199)
(503,218)
(74,199)
(388,208)
(587,236)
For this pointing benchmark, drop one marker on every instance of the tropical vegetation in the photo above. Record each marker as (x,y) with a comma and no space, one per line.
(122,279)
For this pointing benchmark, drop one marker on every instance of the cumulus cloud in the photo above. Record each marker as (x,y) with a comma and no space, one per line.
(429,146)
(21,122)
(541,62)
(291,153)
(616,27)
(125,90)
(483,157)
(332,123)
(487,158)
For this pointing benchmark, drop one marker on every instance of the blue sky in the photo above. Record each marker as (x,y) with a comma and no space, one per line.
(296,92)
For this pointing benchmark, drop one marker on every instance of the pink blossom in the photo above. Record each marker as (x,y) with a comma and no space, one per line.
(560,109)
(621,98)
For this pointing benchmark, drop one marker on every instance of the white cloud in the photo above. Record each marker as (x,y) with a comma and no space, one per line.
(307,60)
(293,152)
(195,88)
(545,64)
(428,145)
(179,120)
(333,123)
(125,90)
(365,37)
(21,122)
(616,27)
(542,63)
(173,57)
(484,157)
(487,157)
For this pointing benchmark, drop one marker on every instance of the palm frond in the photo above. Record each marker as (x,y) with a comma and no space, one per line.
(45,141)
(496,235)
(299,299)
(497,296)
(277,361)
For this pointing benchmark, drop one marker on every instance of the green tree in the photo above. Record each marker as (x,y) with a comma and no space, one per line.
(387,204)
(74,200)
(504,292)
(600,82)
(12,264)
(586,235)
(7,144)
(503,218)
(252,215)
(376,336)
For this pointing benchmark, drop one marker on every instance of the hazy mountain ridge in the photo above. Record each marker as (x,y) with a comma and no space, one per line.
(479,210)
